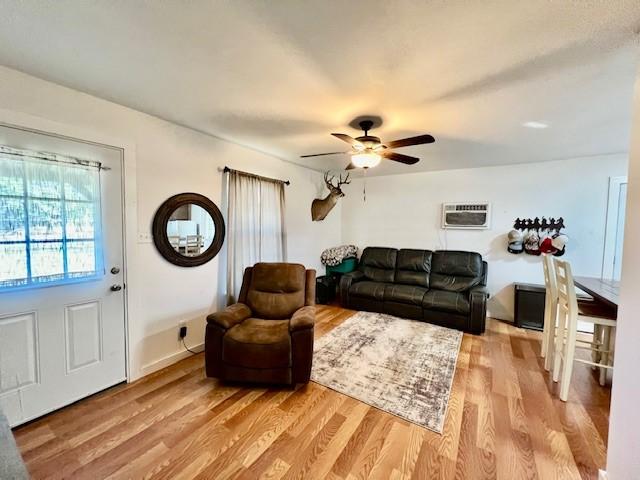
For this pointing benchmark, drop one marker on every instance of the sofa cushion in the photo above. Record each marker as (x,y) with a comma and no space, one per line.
(365,289)
(378,263)
(446,301)
(413,267)
(453,262)
(276,290)
(257,343)
(410,294)
(455,271)
(453,283)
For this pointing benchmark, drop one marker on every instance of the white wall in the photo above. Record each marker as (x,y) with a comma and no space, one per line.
(169,159)
(404,211)
(623,461)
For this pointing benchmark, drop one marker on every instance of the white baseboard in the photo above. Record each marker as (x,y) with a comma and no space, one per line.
(602,475)
(169,360)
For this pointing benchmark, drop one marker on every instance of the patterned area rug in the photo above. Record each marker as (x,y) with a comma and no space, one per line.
(404,367)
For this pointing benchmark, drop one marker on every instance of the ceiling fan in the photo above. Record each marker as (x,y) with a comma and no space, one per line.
(368,151)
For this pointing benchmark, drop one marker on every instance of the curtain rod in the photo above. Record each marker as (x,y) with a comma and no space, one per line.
(51,157)
(227,170)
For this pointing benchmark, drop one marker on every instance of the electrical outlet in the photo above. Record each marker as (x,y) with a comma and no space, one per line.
(183,331)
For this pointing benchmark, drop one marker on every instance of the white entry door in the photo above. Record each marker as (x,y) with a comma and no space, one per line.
(62,322)
(614,233)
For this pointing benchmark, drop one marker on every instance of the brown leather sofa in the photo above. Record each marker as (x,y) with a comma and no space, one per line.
(443,287)
(268,335)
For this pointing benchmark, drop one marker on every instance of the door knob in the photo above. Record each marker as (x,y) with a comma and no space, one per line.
(116,288)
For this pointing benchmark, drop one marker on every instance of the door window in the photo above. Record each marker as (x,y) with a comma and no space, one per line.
(49,219)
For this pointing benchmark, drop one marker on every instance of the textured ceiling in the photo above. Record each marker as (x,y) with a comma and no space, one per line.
(280,76)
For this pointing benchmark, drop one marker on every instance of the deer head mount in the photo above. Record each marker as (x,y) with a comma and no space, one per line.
(320,208)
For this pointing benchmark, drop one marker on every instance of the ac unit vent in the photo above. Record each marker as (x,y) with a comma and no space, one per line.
(466,215)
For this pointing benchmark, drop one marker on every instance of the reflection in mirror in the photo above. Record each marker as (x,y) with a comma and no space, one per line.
(190,230)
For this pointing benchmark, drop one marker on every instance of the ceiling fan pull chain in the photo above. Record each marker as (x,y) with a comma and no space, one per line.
(364,185)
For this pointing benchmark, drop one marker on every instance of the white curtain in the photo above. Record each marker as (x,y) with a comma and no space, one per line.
(50,226)
(256,227)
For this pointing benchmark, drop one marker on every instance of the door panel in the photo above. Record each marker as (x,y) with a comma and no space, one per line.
(83,327)
(18,352)
(62,342)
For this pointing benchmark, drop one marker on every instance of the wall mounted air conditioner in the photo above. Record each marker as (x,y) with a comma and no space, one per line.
(466,215)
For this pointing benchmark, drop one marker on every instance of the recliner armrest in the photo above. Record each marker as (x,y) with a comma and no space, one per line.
(347,280)
(230,316)
(478,301)
(303,318)
(479,290)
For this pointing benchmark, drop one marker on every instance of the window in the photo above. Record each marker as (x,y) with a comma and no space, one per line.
(49,219)
(256,227)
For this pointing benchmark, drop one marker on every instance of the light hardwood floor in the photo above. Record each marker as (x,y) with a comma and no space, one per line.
(504,421)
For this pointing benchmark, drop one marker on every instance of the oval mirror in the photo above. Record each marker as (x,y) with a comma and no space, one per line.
(188,229)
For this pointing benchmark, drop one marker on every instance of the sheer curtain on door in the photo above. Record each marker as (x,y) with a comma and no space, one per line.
(256,227)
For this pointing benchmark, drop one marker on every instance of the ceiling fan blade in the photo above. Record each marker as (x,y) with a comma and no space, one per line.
(406,142)
(347,138)
(351,166)
(323,154)
(398,157)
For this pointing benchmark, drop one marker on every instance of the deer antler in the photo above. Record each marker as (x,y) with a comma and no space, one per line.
(345,181)
(329,180)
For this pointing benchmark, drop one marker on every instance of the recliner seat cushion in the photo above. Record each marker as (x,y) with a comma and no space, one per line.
(379,264)
(365,289)
(276,290)
(446,301)
(409,294)
(257,343)
(455,271)
(413,267)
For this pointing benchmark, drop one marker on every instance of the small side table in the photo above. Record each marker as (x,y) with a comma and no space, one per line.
(326,289)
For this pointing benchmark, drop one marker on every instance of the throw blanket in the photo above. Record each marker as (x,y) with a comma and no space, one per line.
(334,256)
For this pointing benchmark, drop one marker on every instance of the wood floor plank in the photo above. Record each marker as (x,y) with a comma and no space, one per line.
(391,453)
(504,421)
(371,449)
(353,417)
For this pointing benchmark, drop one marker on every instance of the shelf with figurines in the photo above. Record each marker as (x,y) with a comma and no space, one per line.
(538,236)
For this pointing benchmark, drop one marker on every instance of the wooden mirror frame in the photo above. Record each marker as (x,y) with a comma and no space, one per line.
(161,239)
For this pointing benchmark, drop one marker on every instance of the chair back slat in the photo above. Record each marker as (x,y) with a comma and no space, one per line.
(550,281)
(550,306)
(567,299)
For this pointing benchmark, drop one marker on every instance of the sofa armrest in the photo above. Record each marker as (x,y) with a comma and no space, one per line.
(478,301)
(230,316)
(346,281)
(303,318)
(479,290)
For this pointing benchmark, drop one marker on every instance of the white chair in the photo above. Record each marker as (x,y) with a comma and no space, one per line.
(585,306)
(193,245)
(174,240)
(566,340)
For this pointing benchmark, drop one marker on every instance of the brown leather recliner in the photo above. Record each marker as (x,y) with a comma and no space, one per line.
(268,335)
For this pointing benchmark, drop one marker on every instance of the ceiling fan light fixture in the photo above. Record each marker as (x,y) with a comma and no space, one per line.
(365,159)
